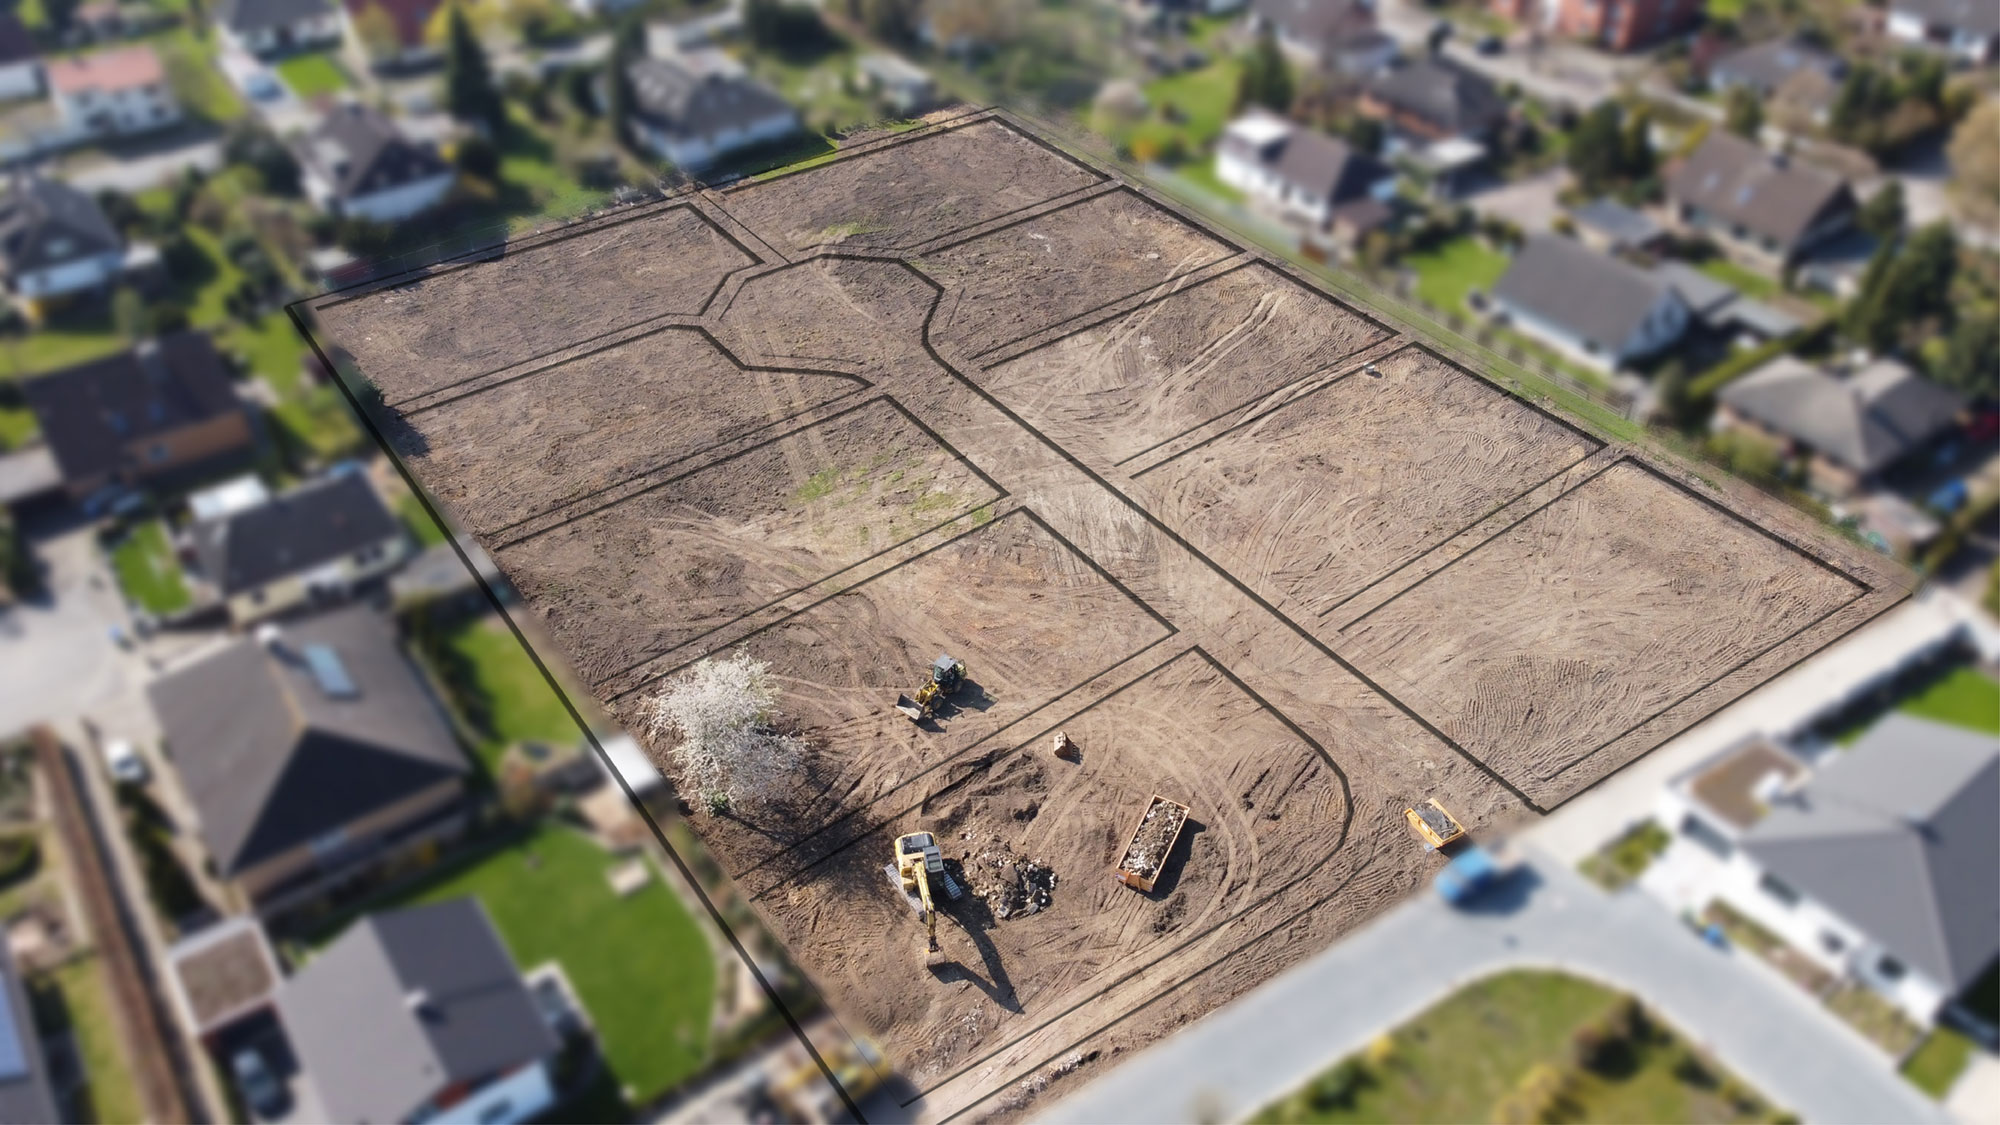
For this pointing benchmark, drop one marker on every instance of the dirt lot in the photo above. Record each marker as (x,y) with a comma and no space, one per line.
(1658,593)
(1337,487)
(901,195)
(1162,369)
(1508,599)
(438,330)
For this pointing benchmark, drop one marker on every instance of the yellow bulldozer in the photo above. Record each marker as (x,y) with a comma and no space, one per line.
(946,676)
(920,862)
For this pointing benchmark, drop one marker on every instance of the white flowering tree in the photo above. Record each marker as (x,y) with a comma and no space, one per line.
(717,718)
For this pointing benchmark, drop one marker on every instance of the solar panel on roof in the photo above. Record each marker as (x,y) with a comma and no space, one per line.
(329,672)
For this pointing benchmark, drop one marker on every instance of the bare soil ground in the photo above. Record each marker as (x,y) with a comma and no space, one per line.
(1328,492)
(1164,368)
(1266,808)
(627,582)
(903,194)
(535,443)
(435,331)
(1501,611)
(1015,282)
(1595,612)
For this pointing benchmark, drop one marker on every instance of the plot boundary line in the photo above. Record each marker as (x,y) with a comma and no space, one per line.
(949,125)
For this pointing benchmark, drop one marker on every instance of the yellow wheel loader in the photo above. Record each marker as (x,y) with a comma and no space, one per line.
(946,676)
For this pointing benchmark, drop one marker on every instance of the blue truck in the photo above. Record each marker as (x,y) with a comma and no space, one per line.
(1470,873)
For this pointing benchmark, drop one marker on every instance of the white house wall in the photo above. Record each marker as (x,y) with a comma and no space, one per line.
(70,277)
(397,204)
(21,80)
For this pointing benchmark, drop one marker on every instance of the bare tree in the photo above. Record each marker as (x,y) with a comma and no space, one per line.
(717,717)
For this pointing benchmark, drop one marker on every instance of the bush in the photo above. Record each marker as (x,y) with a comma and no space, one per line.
(1542,1095)
(479,157)
(1336,1088)
(20,857)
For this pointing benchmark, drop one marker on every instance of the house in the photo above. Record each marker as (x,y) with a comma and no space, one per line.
(1326,34)
(112,93)
(1433,99)
(1599,309)
(1767,209)
(220,976)
(1608,226)
(312,757)
(357,164)
(267,28)
(1853,428)
(1721,307)
(1617,25)
(1968,29)
(1763,67)
(390,34)
(20,62)
(904,86)
(1304,175)
(1877,864)
(167,406)
(417,1015)
(696,107)
(26,1093)
(55,241)
(316,542)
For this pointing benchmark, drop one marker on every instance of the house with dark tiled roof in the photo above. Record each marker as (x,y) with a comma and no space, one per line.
(1337,34)
(1851,427)
(20,61)
(55,241)
(420,1014)
(1875,863)
(167,406)
(268,28)
(696,107)
(1763,67)
(311,756)
(357,163)
(1303,175)
(1433,98)
(1598,309)
(1768,209)
(316,543)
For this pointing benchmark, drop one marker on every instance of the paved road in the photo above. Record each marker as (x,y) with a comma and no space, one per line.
(59,658)
(1273,1039)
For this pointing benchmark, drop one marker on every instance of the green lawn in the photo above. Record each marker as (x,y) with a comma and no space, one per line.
(144,560)
(1201,173)
(17,427)
(204,91)
(423,528)
(1202,99)
(500,691)
(1751,283)
(1458,1060)
(1937,1063)
(640,965)
(1446,273)
(75,995)
(309,76)
(1963,697)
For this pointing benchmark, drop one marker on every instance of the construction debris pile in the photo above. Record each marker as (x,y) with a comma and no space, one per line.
(1157,830)
(1012,886)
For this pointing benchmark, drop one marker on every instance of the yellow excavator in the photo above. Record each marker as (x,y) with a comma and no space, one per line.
(919,861)
(946,675)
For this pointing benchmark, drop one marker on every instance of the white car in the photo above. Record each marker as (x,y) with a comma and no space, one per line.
(123,760)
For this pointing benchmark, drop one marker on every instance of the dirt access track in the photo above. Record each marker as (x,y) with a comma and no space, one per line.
(1251,549)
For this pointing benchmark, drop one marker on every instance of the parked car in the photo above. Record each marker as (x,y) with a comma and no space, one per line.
(262,86)
(261,1090)
(1490,44)
(122,759)
(1470,874)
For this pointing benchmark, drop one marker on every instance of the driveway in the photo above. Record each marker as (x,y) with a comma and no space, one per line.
(1528,203)
(60,661)
(1272,1040)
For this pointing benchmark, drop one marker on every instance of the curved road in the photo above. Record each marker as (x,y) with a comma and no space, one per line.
(1269,1042)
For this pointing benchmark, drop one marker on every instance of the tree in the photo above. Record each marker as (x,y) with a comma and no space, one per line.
(779,25)
(478,157)
(893,20)
(1266,79)
(1974,153)
(59,14)
(468,81)
(717,717)
(251,146)
(378,33)
(128,313)
(1745,113)
(1972,352)
(1597,148)
(628,46)
(1883,214)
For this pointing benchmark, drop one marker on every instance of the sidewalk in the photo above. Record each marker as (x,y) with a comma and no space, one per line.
(1267,1043)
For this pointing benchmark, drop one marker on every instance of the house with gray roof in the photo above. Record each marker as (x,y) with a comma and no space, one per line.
(1763,67)
(1880,863)
(1765,208)
(315,543)
(55,241)
(26,1092)
(357,163)
(1601,310)
(1608,225)
(1337,34)
(1434,98)
(20,60)
(1852,427)
(1967,29)
(269,28)
(420,1014)
(312,755)
(1302,174)
(696,107)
